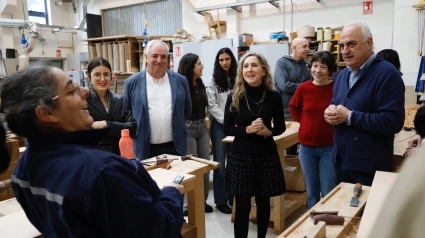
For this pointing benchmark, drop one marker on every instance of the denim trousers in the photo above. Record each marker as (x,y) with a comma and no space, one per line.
(319,172)
(198,142)
(220,151)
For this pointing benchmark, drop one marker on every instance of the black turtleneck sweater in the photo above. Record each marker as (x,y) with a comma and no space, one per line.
(235,123)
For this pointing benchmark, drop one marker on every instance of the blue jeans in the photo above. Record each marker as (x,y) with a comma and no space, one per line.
(220,151)
(198,142)
(319,172)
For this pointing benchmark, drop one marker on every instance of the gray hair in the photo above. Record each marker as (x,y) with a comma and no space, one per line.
(154,42)
(365,30)
(23,92)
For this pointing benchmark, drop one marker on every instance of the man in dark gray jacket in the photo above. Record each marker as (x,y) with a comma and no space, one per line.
(291,71)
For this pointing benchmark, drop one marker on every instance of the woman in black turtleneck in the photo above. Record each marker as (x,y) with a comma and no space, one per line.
(253,167)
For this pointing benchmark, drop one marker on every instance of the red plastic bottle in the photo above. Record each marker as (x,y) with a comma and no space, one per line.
(126,144)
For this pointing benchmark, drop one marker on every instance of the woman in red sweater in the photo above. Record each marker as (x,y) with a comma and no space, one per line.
(316,136)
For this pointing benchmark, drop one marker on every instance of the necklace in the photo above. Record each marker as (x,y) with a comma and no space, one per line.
(260,102)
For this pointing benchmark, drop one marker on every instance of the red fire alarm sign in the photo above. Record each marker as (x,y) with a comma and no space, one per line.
(367,7)
(178,51)
(58,53)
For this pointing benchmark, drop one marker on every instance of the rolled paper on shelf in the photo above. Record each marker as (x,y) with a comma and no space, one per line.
(122,58)
(116,58)
(128,66)
(329,219)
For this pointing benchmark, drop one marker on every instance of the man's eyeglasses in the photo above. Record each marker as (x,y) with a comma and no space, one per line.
(75,88)
(98,77)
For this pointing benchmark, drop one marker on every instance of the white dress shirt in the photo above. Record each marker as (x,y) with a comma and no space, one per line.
(160,108)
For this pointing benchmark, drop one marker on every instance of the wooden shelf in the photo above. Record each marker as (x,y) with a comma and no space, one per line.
(419,6)
(342,64)
(314,41)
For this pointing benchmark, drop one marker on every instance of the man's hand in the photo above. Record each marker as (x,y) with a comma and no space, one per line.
(415,141)
(332,116)
(99,125)
(343,111)
(177,186)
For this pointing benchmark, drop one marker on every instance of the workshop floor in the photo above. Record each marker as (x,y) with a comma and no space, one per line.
(218,225)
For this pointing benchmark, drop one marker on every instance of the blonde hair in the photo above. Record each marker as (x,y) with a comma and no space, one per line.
(239,90)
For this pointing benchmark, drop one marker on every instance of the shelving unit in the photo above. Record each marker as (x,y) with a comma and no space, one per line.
(334,50)
(141,51)
(118,50)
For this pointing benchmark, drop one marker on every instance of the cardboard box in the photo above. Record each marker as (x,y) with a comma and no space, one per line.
(294,179)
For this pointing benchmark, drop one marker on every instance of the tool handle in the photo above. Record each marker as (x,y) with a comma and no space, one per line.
(357,189)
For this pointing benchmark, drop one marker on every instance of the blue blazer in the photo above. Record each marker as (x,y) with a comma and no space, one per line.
(136,96)
(377,104)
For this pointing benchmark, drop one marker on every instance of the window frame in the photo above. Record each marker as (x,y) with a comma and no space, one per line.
(44,14)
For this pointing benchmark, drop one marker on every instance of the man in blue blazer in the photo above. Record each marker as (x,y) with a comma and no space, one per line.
(367,109)
(160,102)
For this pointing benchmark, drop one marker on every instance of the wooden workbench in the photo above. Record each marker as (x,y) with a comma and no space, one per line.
(337,200)
(15,224)
(195,198)
(286,204)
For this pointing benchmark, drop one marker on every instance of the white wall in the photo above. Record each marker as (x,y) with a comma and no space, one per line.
(405,39)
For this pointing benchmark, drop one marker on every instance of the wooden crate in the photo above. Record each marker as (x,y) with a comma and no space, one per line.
(294,178)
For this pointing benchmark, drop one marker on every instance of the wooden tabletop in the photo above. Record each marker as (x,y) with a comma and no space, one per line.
(291,131)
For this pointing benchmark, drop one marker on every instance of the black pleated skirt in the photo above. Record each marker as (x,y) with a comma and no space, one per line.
(248,176)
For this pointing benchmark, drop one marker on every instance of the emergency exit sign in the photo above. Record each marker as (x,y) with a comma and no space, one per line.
(367,7)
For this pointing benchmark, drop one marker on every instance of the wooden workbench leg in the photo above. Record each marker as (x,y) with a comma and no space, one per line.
(196,206)
(279,211)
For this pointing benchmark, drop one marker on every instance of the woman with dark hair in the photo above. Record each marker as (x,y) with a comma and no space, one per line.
(107,108)
(198,139)
(315,135)
(253,166)
(69,187)
(390,56)
(218,88)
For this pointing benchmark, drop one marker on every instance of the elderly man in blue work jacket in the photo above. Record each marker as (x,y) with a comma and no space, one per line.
(367,109)
(161,104)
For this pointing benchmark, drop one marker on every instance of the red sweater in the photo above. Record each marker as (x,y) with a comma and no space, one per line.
(307,107)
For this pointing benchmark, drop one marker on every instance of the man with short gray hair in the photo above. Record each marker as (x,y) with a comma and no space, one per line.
(160,101)
(367,109)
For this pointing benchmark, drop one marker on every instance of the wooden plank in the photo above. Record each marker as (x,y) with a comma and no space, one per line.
(401,141)
(382,183)
(163,177)
(319,231)
(9,206)
(17,225)
(337,200)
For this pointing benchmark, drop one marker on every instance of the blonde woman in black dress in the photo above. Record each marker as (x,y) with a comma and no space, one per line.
(253,167)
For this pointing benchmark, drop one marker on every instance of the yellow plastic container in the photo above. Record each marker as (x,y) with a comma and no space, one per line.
(337,35)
